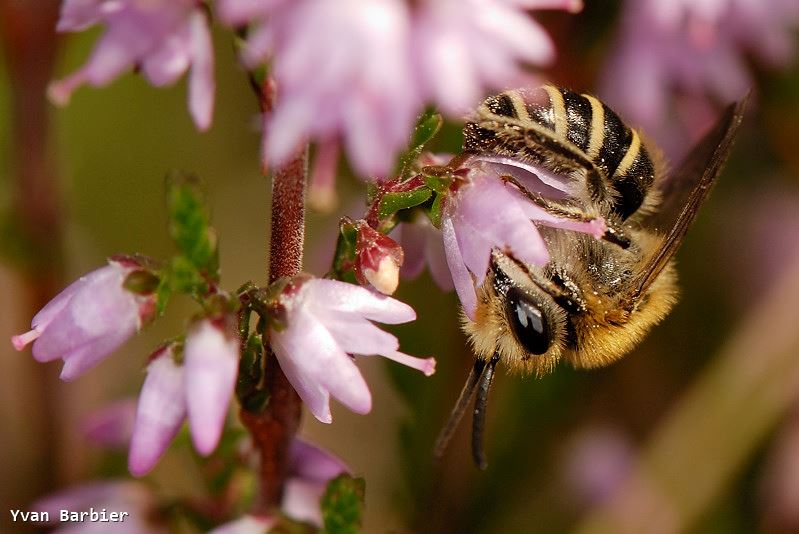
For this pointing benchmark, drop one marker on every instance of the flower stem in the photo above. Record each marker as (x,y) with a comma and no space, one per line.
(274,428)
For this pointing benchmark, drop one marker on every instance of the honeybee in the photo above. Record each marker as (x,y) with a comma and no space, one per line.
(595,299)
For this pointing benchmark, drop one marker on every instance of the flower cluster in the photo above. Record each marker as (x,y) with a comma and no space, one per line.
(163,38)
(674,59)
(349,71)
(200,388)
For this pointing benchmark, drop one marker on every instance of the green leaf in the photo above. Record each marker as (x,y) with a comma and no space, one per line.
(189,223)
(427,127)
(394,202)
(342,505)
(185,278)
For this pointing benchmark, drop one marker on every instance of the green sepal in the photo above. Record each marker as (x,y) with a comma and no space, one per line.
(427,126)
(435,210)
(286,525)
(249,388)
(342,505)
(344,257)
(189,223)
(391,203)
(141,282)
(162,294)
(439,184)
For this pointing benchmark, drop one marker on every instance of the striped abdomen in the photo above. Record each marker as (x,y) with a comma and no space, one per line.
(576,124)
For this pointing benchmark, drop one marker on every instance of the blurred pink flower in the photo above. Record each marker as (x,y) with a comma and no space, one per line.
(201,388)
(422,244)
(462,47)
(596,464)
(327,321)
(359,71)
(88,320)
(116,496)
(309,471)
(674,61)
(111,425)
(161,37)
(472,226)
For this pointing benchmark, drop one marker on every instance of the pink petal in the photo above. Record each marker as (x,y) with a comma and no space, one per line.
(412,237)
(309,462)
(161,411)
(287,345)
(77,15)
(100,309)
(349,298)
(201,80)
(212,361)
(356,335)
(112,425)
(301,500)
(464,285)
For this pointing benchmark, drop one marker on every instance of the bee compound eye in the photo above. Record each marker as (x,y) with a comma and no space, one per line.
(527,321)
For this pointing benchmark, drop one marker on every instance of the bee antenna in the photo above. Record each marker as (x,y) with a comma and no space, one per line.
(479,419)
(460,408)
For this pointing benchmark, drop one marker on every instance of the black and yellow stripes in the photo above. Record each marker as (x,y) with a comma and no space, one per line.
(576,122)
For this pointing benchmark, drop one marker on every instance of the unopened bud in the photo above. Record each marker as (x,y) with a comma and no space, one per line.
(378,259)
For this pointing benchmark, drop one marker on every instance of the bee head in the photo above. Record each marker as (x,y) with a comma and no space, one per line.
(517,320)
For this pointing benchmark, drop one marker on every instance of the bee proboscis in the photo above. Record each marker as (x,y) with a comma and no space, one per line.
(595,299)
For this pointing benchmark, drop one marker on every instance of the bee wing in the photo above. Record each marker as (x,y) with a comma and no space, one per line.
(686,191)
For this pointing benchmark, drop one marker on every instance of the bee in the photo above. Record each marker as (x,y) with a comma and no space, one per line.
(596,299)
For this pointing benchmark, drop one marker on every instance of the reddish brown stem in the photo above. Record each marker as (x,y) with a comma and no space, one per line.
(274,428)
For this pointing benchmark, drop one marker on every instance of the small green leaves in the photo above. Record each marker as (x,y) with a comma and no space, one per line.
(427,127)
(342,505)
(189,223)
(392,202)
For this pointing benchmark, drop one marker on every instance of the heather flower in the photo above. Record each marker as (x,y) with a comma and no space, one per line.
(212,364)
(309,470)
(462,47)
(200,388)
(88,320)
(472,226)
(163,38)
(422,245)
(359,71)
(674,60)
(112,496)
(160,413)
(112,425)
(326,321)
(343,71)
(377,259)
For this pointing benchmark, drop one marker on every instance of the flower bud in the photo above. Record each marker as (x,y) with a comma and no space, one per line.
(378,259)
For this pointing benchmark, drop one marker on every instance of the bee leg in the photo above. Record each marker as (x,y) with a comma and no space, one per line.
(460,408)
(613,234)
(478,421)
(557,285)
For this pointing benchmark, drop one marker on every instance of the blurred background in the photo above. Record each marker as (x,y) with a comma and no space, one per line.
(696,431)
